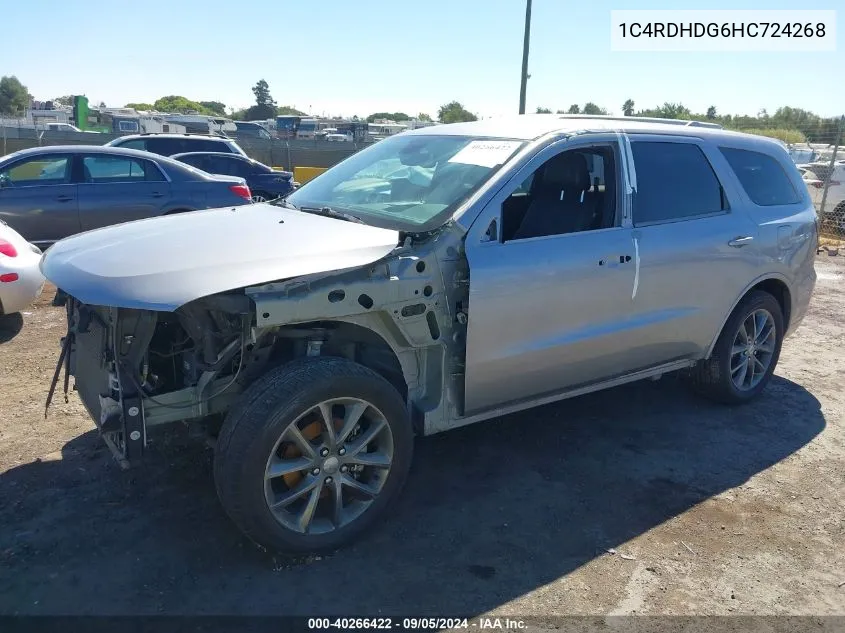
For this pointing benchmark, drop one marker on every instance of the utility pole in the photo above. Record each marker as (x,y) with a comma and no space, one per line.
(525,56)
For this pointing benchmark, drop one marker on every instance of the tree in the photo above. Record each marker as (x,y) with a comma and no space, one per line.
(711,112)
(265,106)
(543,110)
(214,106)
(289,110)
(675,111)
(66,100)
(592,108)
(390,116)
(668,111)
(574,109)
(422,116)
(454,112)
(178,104)
(628,107)
(139,106)
(14,97)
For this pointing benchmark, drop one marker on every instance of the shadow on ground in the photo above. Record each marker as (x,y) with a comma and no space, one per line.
(10,326)
(491,512)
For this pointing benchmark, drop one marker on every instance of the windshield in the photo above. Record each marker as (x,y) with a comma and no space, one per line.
(407,182)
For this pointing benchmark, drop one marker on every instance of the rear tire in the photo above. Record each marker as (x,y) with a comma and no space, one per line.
(741,365)
(282,474)
(262,196)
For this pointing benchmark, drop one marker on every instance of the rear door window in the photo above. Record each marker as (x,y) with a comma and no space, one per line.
(222,165)
(675,181)
(762,176)
(118,169)
(206,145)
(166,146)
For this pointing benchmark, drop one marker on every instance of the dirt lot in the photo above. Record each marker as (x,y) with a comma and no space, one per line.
(704,509)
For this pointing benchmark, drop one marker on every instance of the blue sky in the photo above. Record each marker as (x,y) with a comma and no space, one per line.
(338,57)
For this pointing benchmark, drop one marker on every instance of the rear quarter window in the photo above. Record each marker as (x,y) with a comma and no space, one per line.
(762,177)
(203,145)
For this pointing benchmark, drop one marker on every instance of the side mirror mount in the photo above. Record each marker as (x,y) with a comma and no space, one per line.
(4,181)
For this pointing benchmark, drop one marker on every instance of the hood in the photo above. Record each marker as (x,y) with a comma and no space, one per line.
(165,262)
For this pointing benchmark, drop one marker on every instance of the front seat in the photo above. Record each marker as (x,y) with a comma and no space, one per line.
(560,202)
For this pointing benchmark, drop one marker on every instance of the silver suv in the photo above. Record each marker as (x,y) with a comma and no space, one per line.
(438,278)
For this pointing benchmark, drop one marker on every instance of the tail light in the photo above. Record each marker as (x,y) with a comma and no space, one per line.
(242,191)
(8,278)
(8,249)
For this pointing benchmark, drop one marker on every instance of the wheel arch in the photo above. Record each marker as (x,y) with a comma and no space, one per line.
(775,285)
(373,343)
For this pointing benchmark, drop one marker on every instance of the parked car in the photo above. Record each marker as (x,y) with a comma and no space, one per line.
(530,259)
(61,127)
(21,281)
(170,144)
(251,130)
(264,182)
(48,193)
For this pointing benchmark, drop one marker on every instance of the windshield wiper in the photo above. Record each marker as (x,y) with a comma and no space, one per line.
(332,213)
(282,202)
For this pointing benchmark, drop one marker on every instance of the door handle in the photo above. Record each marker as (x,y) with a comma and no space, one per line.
(612,260)
(739,242)
(157,194)
(64,198)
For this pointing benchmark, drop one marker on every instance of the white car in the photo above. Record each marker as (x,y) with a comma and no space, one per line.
(21,281)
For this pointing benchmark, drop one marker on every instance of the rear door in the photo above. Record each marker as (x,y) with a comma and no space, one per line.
(38,198)
(115,189)
(694,244)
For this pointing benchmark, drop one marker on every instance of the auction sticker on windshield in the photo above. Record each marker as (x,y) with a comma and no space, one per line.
(485,153)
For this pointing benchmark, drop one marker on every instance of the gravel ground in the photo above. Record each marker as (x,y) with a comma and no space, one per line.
(640,500)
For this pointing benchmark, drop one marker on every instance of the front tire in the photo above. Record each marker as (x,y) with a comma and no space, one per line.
(313,454)
(746,352)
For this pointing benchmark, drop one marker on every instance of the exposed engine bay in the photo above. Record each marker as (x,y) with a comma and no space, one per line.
(137,369)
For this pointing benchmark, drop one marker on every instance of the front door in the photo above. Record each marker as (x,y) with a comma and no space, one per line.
(552,272)
(38,199)
(115,189)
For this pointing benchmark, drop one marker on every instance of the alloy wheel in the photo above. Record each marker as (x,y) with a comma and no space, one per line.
(753,349)
(328,466)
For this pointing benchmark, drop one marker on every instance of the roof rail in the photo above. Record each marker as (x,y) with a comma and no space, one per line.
(184,134)
(643,119)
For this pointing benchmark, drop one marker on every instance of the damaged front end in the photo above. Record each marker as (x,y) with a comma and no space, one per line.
(137,369)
